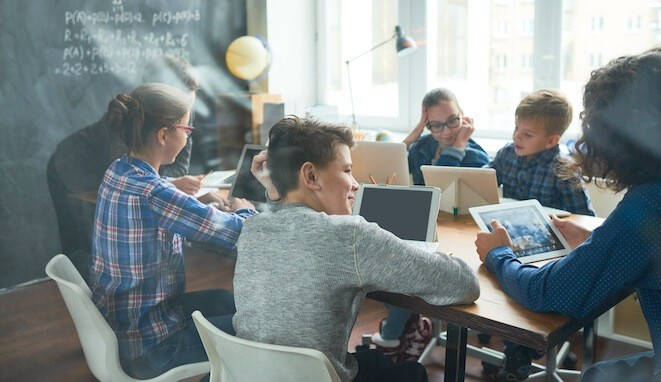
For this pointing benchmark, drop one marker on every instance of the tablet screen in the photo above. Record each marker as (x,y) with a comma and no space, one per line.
(530,232)
(245,184)
(405,213)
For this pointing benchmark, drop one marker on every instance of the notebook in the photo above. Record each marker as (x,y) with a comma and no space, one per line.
(409,213)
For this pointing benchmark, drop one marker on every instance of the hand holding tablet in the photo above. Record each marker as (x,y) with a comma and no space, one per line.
(533,236)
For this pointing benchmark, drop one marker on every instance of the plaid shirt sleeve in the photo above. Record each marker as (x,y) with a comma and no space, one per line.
(573,197)
(185,215)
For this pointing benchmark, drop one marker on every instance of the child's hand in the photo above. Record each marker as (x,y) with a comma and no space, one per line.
(465,132)
(188,184)
(239,203)
(261,173)
(424,120)
(574,233)
(215,199)
(486,241)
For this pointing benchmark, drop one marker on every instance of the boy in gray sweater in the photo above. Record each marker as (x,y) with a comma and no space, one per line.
(304,268)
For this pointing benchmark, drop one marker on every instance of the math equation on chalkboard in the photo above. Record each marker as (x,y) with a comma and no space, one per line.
(114,38)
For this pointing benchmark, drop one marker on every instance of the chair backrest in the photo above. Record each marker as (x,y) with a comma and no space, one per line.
(603,200)
(234,359)
(98,341)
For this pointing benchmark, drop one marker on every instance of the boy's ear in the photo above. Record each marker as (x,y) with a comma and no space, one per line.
(552,140)
(308,176)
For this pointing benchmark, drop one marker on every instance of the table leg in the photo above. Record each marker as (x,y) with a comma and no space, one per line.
(589,345)
(455,353)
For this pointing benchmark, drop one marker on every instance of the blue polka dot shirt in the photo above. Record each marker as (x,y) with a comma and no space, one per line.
(624,252)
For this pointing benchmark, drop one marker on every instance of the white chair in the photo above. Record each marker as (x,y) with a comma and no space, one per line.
(603,200)
(98,341)
(235,360)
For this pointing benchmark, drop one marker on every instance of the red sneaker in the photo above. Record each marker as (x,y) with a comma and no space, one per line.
(390,348)
(417,334)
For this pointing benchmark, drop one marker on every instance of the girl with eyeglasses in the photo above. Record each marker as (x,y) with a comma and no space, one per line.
(137,273)
(449,142)
(404,335)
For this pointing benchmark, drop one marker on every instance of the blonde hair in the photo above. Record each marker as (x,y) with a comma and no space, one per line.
(547,106)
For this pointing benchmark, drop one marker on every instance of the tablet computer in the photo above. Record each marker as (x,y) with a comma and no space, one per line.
(245,184)
(462,187)
(534,237)
(409,213)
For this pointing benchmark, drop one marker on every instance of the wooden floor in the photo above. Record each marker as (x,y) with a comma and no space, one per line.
(38,341)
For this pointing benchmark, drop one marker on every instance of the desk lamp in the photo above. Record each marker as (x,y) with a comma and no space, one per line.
(405,45)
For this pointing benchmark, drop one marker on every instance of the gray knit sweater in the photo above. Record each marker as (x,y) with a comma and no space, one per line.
(302,275)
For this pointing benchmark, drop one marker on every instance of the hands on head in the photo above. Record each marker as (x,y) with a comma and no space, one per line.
(466,130)
(262,174)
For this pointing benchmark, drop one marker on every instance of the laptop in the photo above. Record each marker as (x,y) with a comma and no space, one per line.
(219,179)
(409,213)
(380,160)
(245,185)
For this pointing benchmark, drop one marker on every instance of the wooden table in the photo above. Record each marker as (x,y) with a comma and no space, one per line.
(494,312)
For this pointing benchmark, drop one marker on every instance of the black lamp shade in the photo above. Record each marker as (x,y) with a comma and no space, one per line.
(405,45)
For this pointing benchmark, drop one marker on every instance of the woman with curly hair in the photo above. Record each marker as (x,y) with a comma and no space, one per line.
(620,149)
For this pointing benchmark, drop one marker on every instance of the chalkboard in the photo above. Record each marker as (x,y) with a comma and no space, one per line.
(61,63)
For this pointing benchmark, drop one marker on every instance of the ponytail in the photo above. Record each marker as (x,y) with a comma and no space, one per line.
(132,117)
(125,117)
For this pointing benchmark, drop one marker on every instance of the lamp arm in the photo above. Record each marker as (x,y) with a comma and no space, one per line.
(371,49)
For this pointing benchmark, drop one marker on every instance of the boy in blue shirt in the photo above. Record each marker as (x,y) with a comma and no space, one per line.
(619,149)
(526,168)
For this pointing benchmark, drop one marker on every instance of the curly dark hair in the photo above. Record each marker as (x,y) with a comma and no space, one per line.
(294,141)
(621,142)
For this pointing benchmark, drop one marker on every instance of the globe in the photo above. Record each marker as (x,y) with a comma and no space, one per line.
(247,57)
(383,136)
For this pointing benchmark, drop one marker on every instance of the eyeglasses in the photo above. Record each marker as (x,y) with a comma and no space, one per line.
(186,128)
(451,123)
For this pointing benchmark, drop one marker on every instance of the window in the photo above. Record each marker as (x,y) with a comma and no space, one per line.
(615,40)
(634,23)
(450,39)
(597,23)
(351,29)
(483,50)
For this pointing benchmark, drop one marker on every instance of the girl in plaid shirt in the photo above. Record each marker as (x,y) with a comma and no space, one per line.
(137,272)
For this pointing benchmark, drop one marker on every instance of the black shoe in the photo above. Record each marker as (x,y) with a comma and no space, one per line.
(518,363)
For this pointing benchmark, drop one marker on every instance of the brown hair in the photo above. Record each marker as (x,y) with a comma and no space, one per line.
(621,124)
(438,95)
(294,141)
(547,106)
(148,108)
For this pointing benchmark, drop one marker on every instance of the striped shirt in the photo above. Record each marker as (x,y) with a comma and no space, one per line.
(137,265)
(534,178)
